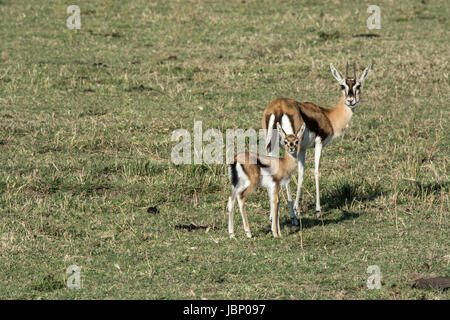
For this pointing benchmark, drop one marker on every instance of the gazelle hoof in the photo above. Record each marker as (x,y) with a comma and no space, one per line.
(318,213)
(249,235)
(275,235)
(294,221)
(231,235)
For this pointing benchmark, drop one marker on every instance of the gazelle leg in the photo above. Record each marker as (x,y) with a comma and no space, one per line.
(241,201)
(271,206)
(231,200)
(273,151)
(274,209)
(270,191)
(317,153)
(276,216)
(301,170)
(278,213)
(294,220)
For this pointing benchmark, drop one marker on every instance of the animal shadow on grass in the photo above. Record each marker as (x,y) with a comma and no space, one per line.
(366,35)
(309,222)
(344,193)
(337,197)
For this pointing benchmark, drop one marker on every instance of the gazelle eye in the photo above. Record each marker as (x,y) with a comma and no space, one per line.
(342,87)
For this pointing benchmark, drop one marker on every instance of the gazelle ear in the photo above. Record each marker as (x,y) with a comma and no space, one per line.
(281,131)
(336,74)
(365,73)
(301,131)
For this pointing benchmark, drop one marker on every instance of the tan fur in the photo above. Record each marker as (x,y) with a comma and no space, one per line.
(281,168)
(251,169)
(276,230)
(281,106)
(286,167)
(325,122)
(339,116)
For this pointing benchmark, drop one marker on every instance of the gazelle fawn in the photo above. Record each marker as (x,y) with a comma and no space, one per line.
(322,126)
(250,170)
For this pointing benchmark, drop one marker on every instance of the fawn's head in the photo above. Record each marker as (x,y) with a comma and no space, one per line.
(291,141)
(350,86)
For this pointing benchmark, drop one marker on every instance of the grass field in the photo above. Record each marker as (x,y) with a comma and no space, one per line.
(86,118)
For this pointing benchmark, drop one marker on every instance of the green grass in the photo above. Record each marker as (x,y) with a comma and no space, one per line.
(86,118)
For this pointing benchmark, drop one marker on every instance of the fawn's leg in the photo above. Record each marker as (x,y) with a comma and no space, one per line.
(273,149)
(274,209)
(277,211)
(231,200)
(241,201)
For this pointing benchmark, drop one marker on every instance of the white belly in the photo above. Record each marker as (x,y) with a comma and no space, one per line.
(309,140)
(266,179)
(285,181)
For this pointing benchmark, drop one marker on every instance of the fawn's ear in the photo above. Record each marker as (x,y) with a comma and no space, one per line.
(281,131)
(301,131)
(365,73)
(336,74)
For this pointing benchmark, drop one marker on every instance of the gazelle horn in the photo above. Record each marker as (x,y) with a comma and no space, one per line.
(346,71)
(354,70)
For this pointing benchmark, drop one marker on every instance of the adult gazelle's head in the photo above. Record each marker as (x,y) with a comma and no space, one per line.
(350,86)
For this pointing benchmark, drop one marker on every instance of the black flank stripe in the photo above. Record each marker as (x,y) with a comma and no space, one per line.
(260,164)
